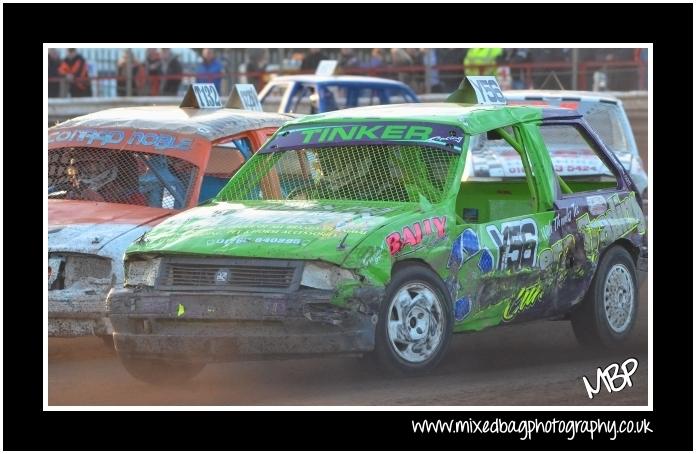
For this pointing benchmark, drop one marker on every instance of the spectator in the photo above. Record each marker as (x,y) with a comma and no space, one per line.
(74,68)
(312,59)
(432,76)
(296,59)
(619,78)
(171,68)
(401,58)
(137,77)
(258,59)
(210,69)
(376,59)
(348,59)
(416,56)
(481,61)
(514,57)
(153,64)
(53,65)
(451,56)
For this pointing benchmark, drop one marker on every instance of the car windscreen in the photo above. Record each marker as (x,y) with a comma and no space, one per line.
(119,176)
(604,119)
(337,96)
(395,173)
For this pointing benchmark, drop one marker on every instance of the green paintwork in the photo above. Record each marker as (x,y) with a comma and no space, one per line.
(360,236)
(473,119)
(323,134)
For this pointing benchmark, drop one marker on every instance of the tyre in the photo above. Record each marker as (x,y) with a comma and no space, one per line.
(159,371)
(608,312)
(415,322)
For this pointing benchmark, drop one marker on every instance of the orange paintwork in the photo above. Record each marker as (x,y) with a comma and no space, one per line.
(67,212)
(196,155)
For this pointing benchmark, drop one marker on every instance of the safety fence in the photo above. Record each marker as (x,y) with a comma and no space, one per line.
(589,75)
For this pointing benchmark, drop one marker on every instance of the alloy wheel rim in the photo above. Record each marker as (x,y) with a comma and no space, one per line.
(415,323)
(618,297)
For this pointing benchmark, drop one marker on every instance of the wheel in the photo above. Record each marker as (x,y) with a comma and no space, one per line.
(415,322)
(608,312)
(159,371)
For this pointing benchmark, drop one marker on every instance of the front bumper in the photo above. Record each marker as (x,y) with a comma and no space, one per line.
(227,326)
(72,313)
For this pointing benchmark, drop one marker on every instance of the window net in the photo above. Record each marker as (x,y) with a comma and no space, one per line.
(119,176)
(396,173)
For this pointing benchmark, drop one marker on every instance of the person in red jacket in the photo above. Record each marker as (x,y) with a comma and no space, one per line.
(74,68)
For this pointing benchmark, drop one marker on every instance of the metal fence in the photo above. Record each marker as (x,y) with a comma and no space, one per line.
(612,75)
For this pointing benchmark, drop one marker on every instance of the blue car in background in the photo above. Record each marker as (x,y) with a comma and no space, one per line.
(310,94)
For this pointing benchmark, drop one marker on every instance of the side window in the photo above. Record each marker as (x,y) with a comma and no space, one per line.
(271,101)
(495,184)
(397,96)
(492,156)
(225,159)
(304,100)
(576,160)
(363,97)
(333,98)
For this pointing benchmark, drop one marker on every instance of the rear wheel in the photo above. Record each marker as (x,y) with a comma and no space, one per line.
(415,323)
(159,371)
(609,311)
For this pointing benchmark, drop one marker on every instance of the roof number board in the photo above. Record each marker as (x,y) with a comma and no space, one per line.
(244,96)
(487,90)
(202,96)
(207,96)
(326,68)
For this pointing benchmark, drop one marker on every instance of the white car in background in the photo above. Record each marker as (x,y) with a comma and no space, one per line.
(604,113)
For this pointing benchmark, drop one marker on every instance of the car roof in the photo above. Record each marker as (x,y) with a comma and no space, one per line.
(473,119)
(563,95)
(212,124)
(347,80)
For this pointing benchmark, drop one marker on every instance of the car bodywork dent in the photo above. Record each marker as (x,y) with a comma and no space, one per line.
(82,233)
(207,124)
(531,253)
(86,243)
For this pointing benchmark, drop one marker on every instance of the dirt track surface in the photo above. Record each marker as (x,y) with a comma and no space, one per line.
(538,363)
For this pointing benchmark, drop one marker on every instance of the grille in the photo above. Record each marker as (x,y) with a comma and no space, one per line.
(231,275)
(119,176)
(397,173)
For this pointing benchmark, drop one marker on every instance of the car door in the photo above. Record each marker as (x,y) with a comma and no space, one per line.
(494,270)
(592,212)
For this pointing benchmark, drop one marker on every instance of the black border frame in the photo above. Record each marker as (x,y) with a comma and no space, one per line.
(27,426)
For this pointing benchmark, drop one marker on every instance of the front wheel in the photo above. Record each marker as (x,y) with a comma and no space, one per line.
(415,321)
(159,371)
(609,311)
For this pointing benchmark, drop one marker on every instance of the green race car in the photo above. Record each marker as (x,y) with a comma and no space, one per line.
(360,231)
